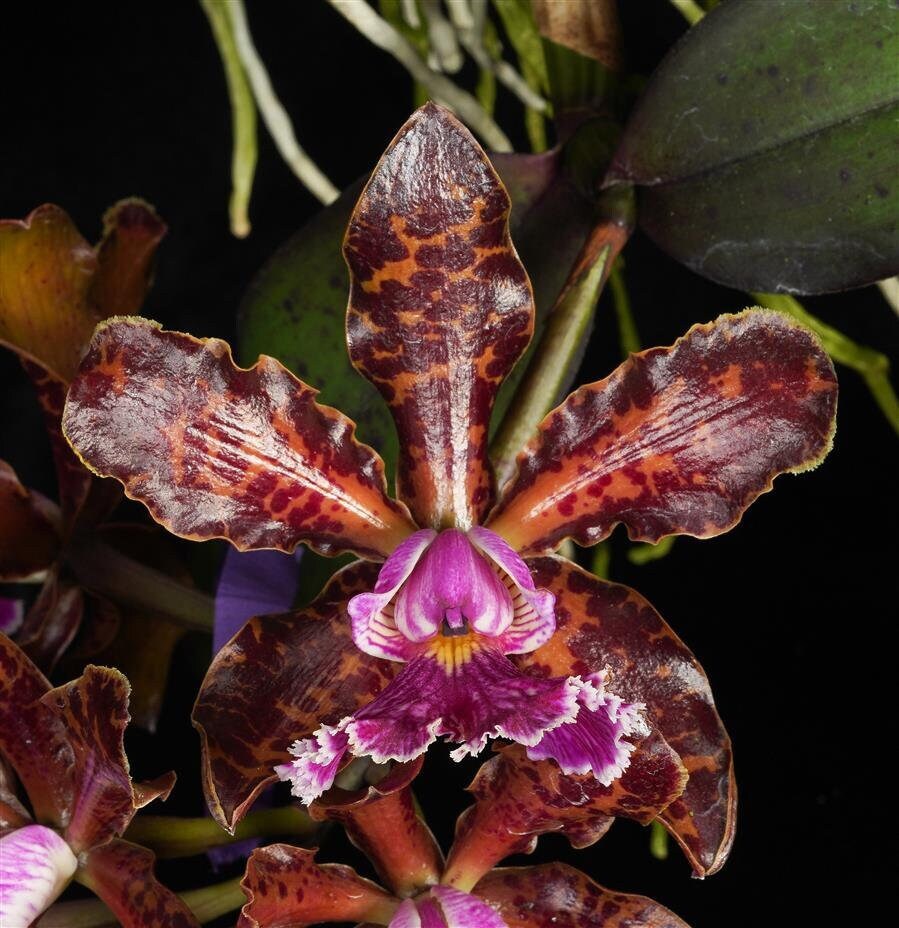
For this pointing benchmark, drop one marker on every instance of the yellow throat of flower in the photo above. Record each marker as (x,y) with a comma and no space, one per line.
(452,651)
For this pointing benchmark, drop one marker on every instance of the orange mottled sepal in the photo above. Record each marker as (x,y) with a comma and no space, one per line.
(29,528)
(285,886)
(276,681)
(217,451)
(518,799)
(558,896)
(606,625)
(677,440)
(382,821)
(440,309)
(121,874)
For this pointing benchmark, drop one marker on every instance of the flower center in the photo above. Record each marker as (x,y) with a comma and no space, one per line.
(452,651)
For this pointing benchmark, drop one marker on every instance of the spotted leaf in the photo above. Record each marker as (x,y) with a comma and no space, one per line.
(440,309)
(518,799)
(216,451)
(558,896)
(381,820)
(606,625)
(284,886)
(277,680)
(677,440)
(29,528)
(32,738)
(121,874)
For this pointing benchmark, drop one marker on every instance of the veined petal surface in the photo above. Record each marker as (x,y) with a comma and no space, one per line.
(559,896)
(440,309)
(35,866)
(677,440)
(216,451)
(286,887)
(604,625)
(278,680)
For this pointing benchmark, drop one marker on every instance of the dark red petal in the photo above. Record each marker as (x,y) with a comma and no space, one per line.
(94,712)
(440,309)
(603,624)
(29,528)
(121,874)
(677,440)
(558,896)
(32,738)
(285,887)
(382,821)
(216,451)
(518,799)
(52,621)
(277,680)
(132,230)
(12,813)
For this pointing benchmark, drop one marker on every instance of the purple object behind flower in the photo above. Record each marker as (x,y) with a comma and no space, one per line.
(11,614)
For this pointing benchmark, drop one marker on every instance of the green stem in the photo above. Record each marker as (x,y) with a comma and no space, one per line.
(207,904)
(602,560)
(689,9)
(627,328)
(643,554)
(658,841)
(873,366)
(182,837)
(107,571)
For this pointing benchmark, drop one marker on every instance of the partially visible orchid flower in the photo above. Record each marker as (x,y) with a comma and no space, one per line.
(66,747)
(472,634)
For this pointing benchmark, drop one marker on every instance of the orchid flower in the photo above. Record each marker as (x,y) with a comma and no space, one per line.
(285,885)
(472,628)
(66,747)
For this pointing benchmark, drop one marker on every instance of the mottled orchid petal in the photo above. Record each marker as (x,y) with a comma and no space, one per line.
(284,886)
(604,625)
(559,895)
(52,621)
(452,583)
(458,688)
(372,613)
(94,712)
(533,618)
(29,528)
(518,799)
(216,451)
(35,867)
(445,907)
(278,680)
(382,821)
(32,738)
(677,440)
(121,874)
(440,309)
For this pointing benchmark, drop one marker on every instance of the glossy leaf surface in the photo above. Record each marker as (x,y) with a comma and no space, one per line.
(766,144)
(287,889)
(603,624)
(518,799)
(216,451)
(440,309)
(276,681)
(382,821)
(121,874)
(29,532)
(32,739)
(558,896)
(677,440)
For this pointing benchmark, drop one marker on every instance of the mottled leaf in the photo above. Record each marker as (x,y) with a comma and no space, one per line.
(677,440)
(29,528)
(518,799)
(381,820)
(440,309)
(216,451)
(52,621)
(285,888)
(558,896)
(277,680)
(766,145)
(121,874)
(32,739)
(606,625)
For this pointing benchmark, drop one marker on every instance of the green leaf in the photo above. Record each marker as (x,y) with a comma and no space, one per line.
(766,146)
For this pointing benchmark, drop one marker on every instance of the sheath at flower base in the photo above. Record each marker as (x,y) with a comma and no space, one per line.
(676,440)
(65,745)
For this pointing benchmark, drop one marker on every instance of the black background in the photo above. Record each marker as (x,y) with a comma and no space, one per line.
(791,613)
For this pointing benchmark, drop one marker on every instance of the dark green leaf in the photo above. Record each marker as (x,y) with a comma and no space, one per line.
(766,144)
